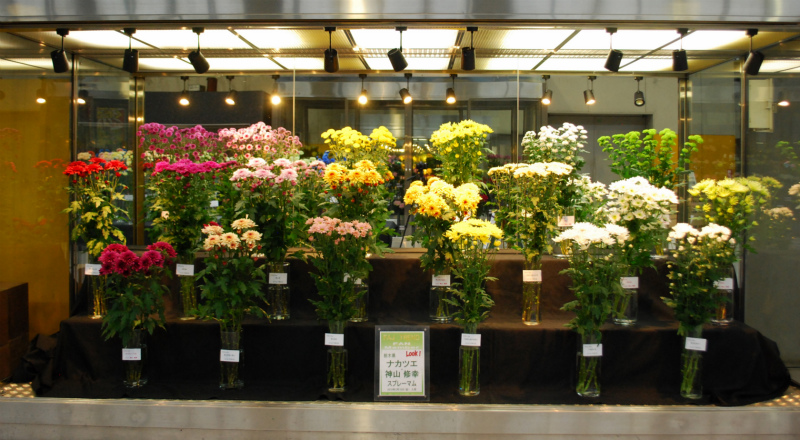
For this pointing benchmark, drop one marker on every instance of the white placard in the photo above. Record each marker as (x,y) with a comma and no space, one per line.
(278,278)
(127,197)
(592,350)
(357,282)
(441,281)
(184,270)
(229,355)
(215,204)
(629,282)
(131,354)
(724,284)
(397,241)
(334,339)
(401,363)
(531,276)
(566,221)
(696,344)
(92,269)
(470,339)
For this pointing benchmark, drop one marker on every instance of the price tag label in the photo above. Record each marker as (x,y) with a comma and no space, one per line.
(92,269)
(278,278)
(441,281)
(215,204)
(671,246)
(592,350)
(397,241)
(334,339)
(131,354)
(531,276)
(696,344)
(470,340)
(566,221)
(184,270)
(724,284)
(629,282)
(229,355)
(127,197)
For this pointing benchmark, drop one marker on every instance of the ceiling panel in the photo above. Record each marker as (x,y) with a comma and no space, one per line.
(505,63)
(25,64)
(532,39)
(187,40)
(648,65)
(413,63)
(294,38)
(623,39)
(164,64)
(779,65)
(412,39)
(573,64)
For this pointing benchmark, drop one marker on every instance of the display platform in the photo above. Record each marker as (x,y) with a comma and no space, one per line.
(285,361)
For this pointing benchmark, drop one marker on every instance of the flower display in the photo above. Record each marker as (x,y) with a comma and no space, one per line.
(794,191)
(461,149)
(120,154)
(260,141)
(351,146)
(564,144)
(590,197)
(160,143)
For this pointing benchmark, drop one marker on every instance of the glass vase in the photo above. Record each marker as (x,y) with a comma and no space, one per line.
(469,365)
(590,358)
(337,360)
(566,219)
(723,314)
(361,301)
(440,310)
(230,360)
(97,287)
(188,293)
(134,356)
(626,301)
(692,368)
(278,292)
(531,292)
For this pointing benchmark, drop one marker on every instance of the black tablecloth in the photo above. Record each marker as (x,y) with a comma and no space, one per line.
(285,360)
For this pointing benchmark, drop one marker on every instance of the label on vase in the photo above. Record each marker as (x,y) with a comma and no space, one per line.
(470,340)
(278,278)
(629,282)
(127,197)
(229,355)
(334,339)
(184,270)
(592,350)
(397,241)
(531,276)
(357,282)
(92,269)
(131,354)
(215,204)
(566,221)
(440,281)
(724,284)
(696,344)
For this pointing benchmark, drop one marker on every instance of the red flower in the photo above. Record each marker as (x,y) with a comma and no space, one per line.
(115,165)
(97,160)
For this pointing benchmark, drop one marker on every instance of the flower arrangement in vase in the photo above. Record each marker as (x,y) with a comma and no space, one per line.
(161,143)
(349,146)
(461,148)
(259,140)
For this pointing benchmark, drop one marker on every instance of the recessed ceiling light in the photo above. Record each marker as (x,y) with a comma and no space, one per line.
(176,39)
(710,40)
(412,38)
(629,39)
(649,65)
(778,65)
(383,63)
(535,38)
(301,63)
(574,64)
(507,63)
(102,39)
(273,38)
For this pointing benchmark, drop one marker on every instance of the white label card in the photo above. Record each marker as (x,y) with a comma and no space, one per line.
(397,241)
(592,350)
(215,203)
(531,276)
(629,282)
(184,270)
(127,197)
(131,354)
(696,344)
(229,355)
(278,278)
(92,269)
(357,282)
(334,339)
(470,339)
(566,221)
(441,281)
(724,284)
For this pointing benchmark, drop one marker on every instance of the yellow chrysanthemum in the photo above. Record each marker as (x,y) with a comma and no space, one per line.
(476,230)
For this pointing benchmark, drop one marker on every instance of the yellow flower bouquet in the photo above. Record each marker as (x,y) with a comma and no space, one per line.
(460,147)
(350,146)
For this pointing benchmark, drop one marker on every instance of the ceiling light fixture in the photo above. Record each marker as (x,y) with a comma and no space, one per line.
(362,98)
(60,63)
(275,99)
(197,59)
(547,97)
(404,93)
(83,96)
(754,59)
(451,91)
(588,95)
(638,97)
(468,53)
(331,54)
(782,100)
(184,98)
(396,57)
(40,98)
(130,59)
(614,56)
(232,95)
(680,62)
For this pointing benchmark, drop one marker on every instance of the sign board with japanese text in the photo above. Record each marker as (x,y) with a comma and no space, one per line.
(402,363)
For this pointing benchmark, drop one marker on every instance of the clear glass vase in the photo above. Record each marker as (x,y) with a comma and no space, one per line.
(589,363)
(134,356)
(230,360)
(692,368)
(626,302)
(97,287)
(188,294)
(469,365)
(531,292)
(566,219)
(361,302)
(440,310)
(723,314)
(278,292)
(337,360)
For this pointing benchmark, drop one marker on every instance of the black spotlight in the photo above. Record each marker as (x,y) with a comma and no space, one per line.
(547,96)
(130,60)
(614,56)
(331,54)
(197,59)
(755,58)
(230,99)
(60,63)
(638,96)
(450,96)
(680,62)
(396,55)
(468,53)
(405,95)
(588,95)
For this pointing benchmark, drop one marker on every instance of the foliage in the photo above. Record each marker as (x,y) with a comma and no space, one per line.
(651,157)
(351,146)
(461,149)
